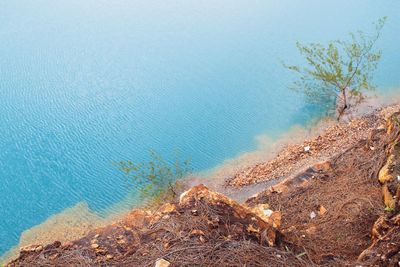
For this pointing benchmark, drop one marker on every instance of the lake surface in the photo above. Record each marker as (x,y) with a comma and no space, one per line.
(84,83)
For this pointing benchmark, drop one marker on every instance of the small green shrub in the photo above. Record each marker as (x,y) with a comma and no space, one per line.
(155,180)
(339,69)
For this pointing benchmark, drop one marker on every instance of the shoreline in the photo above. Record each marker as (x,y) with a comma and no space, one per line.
(330,213)
(215,178)
(294,140)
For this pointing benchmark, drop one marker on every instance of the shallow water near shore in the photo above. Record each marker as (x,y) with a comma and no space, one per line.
(86,83)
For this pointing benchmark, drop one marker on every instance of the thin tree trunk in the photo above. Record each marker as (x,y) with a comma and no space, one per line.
(343,107)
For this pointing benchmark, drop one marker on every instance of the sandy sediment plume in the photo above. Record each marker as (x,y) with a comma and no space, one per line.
(69,225)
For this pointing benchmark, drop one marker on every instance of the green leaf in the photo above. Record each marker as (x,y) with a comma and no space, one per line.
(387,209)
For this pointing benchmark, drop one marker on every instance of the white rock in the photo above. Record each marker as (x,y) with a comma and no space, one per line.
(398,178)
(313,215)
(307,148)
(267,212)
(182,196)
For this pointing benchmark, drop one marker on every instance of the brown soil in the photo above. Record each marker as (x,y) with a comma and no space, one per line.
(351,195)
(385,247)
(343,194)
(206,229)
(331,214)
(293,158)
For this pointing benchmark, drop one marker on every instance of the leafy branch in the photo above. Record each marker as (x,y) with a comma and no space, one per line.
(339,70)
(156,178)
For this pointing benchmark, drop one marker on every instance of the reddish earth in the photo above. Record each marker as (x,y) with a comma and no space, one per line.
(343,211)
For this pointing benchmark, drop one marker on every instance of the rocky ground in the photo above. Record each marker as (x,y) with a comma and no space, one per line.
(294,157)
(338,205)
(204,228)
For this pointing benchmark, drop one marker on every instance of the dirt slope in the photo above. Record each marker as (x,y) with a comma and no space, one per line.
(204,229)
(340,212)
(330,209)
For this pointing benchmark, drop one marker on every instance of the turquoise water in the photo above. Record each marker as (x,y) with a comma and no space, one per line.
(84,83)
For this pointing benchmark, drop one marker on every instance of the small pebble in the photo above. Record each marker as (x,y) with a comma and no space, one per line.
(53,257)
(267,212)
